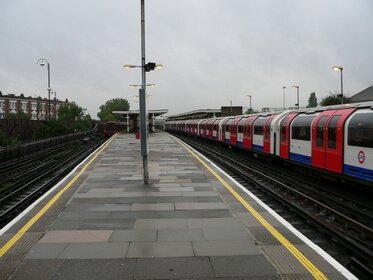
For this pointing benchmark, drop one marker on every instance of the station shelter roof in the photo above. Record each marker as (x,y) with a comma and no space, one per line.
(151,113)
(197,114)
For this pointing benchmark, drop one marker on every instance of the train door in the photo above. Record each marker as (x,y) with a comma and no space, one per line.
(267,135)
(241,131)
(327,144)
(248,132)
(227,131)
(285,134)
(234,123)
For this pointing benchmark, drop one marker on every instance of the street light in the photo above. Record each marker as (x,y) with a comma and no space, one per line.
(297,87)
(148,67)
(42,62)
(283,92)
(143,111)
(340,68)
(249,96)
(148,85)
(231,105)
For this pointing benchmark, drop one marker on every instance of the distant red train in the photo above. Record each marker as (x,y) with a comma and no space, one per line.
(336,139)
(108,129)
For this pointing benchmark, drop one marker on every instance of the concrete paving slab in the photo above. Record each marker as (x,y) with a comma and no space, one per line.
(131,235)
(252,267)
(200,205)
(174,268)
(96,269)
(225,248)
(37,269)
(238,233)
(180,235)
(160,249)
(46,251)
(152,207)
(72,236)
(160,223)
(112,250)
(213,222)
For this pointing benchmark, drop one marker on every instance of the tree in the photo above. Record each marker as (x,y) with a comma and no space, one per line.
(334,99)
(70,112)
(312,100)
(117,104)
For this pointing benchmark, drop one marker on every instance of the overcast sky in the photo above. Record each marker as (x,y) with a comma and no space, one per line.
(213,51)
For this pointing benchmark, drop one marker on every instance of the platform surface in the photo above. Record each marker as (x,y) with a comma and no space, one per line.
(184,225)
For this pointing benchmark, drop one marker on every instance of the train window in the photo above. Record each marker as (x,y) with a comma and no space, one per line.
(227,128)
(301,128)
(240,128)
(320,131)
(258,126)
(332,132)
(360,130)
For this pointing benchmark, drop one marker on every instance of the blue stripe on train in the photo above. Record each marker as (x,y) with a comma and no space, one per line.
(358,172)
(257,148)
(300,158)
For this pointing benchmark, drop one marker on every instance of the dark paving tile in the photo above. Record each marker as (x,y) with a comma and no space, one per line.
(37,269)
(174,268)
(243,266)
(96,269)
(220,213)
(108,224)
(95,250)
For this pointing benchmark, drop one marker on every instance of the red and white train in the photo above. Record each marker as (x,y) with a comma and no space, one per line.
(336,139)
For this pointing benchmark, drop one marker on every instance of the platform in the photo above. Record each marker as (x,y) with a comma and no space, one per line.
(190,222)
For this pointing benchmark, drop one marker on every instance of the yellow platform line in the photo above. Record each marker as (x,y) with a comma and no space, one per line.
(7,246)
(315,272)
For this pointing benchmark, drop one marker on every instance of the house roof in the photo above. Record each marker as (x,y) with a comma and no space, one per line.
(364,95)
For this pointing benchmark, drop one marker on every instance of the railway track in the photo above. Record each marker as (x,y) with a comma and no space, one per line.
(33,176)
(335,220)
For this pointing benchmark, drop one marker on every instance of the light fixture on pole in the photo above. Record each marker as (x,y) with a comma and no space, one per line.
(283,92)
(42,62)
(297,87)
(249,96)
(230,101)
(340,68)
(148,85)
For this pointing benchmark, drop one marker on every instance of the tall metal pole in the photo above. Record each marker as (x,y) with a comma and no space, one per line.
(283,90)
(342,84)
(49,91)
(142,97)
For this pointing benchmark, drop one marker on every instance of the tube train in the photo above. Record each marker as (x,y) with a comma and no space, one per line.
(336,139)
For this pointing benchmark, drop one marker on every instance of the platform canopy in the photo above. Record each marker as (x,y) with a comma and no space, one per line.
(151,113)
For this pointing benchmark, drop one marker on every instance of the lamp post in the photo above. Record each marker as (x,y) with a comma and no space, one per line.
(230,101)
(283,98)
(42,62)
(249,96)
(297,87)
(340,68)
(143,111)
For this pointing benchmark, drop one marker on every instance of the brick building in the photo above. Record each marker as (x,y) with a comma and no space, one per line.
(35,107)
